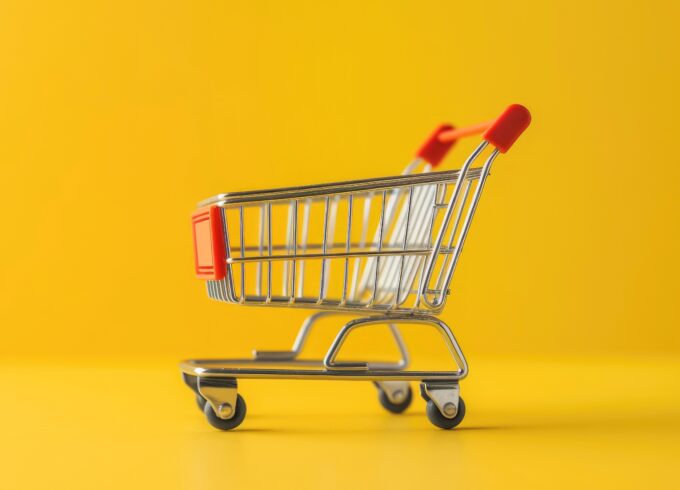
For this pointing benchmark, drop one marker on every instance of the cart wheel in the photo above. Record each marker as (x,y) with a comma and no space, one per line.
(227,424)
(395,407)
(438,419)
(200,401)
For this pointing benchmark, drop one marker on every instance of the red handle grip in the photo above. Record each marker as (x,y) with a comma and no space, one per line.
(508,127)
(501,133)
(435,149)
(456,134)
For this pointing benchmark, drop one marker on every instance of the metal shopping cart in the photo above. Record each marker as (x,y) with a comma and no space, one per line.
(383,250)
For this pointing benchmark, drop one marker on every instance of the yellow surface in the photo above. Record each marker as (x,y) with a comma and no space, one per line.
(117,117)
(559,423)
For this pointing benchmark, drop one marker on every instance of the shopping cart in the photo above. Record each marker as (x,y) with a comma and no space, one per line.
(383,250)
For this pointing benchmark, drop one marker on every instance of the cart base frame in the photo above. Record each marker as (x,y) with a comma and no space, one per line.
(215,381)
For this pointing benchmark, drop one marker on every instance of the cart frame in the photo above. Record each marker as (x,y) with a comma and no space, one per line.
(400,277)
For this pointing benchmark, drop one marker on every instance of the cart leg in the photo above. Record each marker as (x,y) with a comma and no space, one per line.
(225,409)
(303,334)
(445,407)
(330,362)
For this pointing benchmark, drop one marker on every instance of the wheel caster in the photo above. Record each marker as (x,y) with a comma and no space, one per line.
(395,407)
(226,424)
(440,420)
(200,401)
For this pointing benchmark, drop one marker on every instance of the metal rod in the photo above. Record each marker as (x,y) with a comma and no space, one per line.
(331,255)
(380,240)
(468,220)
(323,262)
(243,266)
(447,218)
(295,232)
(305,231)
(338,188)
(258,285)
(454,227)
(362,243)
(350,206)
(401,265)
(269,247)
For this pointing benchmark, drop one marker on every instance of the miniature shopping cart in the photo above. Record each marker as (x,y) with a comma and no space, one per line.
(381,250)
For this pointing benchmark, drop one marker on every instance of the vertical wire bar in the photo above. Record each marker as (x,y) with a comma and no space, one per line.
(348,240)
(389,213)
(394,267)
(404,268)
(420,228)
(439,200)
(401,265)
(362,243)
(324,250)
(331,237)
(454,228)
(391,264)
(229,283)
(269,252)
(456,222)
(431,261)
(380,242)
(435,210)
(295,233)
(258,285)
(287,263)
(243,252)
(222,284)
(305,233)
(474,201)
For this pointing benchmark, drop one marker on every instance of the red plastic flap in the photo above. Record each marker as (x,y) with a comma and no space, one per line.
(508,127)
(433,150)
(209,249)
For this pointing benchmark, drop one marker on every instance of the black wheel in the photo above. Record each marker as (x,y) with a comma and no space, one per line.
(227,424)
(438,419)
(200,401)
(395,407)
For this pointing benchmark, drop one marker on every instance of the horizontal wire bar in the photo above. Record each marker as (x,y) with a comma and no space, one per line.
(338,188)
(332,255)
(340,255)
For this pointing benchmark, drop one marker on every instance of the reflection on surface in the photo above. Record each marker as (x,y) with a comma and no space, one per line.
(137,424)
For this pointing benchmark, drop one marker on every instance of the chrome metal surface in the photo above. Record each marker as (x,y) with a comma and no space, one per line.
(303,334)
(288,366)
(248,369)
(406,266)
(322,190)
(330,362)
(382,249)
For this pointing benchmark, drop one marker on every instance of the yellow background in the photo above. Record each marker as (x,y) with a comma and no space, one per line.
(117,117)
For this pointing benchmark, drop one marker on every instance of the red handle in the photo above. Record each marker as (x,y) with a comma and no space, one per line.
(508,127)
(456,134)
(501,133)
(435,149)
(209,244)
